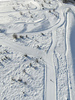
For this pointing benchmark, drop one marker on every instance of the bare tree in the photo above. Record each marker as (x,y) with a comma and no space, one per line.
(65,1)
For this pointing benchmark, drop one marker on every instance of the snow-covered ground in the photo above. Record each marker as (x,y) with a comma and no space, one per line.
(37,50)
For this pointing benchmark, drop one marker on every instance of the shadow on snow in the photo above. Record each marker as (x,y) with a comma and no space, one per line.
(72,42)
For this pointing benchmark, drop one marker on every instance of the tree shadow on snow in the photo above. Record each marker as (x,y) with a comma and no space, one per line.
(2,30)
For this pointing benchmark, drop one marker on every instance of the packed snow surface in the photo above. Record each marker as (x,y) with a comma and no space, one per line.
(37,50)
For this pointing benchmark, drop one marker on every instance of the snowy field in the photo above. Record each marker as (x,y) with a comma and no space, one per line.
(37,50)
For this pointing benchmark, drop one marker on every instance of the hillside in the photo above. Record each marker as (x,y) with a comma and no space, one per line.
(37,50)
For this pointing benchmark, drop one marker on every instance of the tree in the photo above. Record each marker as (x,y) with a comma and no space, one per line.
(65,1)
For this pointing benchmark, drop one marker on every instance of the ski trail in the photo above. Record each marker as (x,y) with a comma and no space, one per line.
(69,56)
(62,76)
(50,74)
(22,49)
(63,88)
(61,67)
